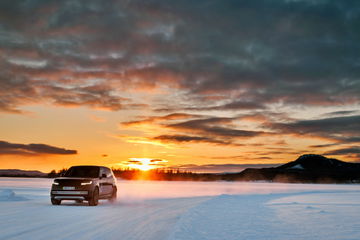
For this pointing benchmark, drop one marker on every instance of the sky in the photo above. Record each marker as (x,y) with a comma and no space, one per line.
(206,85)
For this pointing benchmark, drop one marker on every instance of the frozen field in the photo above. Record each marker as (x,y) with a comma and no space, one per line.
(184,211)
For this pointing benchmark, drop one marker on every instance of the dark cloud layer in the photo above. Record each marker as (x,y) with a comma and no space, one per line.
(7,148)
(342,129)
(352,151)
(341,113)
(198,129)
(154,119)
(215,126)
(235,54)
(190,139)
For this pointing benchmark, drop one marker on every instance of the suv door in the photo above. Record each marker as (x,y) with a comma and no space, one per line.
(105,182)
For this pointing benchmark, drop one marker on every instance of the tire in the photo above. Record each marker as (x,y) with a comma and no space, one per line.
(112,199)
(55,201)
(94,200)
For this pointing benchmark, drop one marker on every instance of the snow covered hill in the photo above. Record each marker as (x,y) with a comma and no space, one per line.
(308,168)
(314,162)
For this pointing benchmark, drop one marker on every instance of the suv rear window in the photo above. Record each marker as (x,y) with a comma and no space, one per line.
(83,171)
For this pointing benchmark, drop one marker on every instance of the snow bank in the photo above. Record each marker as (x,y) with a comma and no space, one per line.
(9,195)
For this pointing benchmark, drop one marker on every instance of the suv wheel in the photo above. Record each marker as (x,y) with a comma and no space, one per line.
(94,200)
(112,199)
(55,201)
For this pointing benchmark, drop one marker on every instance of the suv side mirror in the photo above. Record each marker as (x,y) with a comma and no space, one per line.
(103,175)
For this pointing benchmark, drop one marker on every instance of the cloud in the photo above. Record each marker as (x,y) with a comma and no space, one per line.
(135,162)
(154,119)
(7,148)
(156,160)
(233,105)
(19,91)
(324,145)
(195,129)
(218,168)
(237,105)
(352,152)
(292,53)
(344,151)
(28,63)
(188,139)
(213,126)
(341,113)
(344,129)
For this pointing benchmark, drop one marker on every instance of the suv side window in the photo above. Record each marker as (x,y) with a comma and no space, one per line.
(107,172)
(102,171)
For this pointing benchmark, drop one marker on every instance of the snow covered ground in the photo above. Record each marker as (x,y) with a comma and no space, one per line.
(184,210)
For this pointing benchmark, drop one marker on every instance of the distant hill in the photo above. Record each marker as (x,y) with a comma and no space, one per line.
(313,162)
(21,173)
(309,168)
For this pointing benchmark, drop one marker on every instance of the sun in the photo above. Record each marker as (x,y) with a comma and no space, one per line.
(143,164)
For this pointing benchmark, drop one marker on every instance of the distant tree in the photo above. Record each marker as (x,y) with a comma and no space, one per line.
(62,171)
(52,174)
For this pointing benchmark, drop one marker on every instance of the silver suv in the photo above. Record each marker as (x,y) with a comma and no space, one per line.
(89,183)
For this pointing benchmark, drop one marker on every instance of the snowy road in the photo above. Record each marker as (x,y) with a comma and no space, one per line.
(39,220)
(30,215)
(184,211)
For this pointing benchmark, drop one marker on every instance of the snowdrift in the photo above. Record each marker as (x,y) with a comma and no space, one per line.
(9,195)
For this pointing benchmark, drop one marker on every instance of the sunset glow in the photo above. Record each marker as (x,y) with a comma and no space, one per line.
(143,164)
